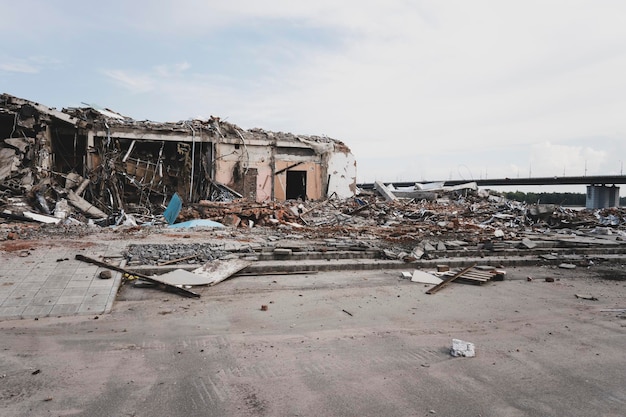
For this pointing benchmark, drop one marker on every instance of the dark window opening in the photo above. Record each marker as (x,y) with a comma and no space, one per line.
(283,150)
(296,185)
(69,151)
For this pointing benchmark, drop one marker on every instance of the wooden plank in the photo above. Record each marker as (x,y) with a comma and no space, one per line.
(475,279)
(473,274)
(469,275)
(448,280)
(164,285)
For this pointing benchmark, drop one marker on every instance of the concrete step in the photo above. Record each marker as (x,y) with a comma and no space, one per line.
(294,266)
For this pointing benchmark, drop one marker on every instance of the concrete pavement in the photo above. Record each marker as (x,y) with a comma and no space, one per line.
(48,281)
(39,280)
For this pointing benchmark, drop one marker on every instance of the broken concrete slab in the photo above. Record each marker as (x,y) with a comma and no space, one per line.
(18,143)
(567,266)
(428,247)
(283,252)
(586,297)
(41,218)
(8,162)
(219,270)
(462,348)
(417,253)
(231,220)
(384,191)
(85,206)
(184,277)
(528,244)
(425,278)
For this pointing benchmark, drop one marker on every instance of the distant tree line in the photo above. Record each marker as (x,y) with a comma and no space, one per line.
(563,199)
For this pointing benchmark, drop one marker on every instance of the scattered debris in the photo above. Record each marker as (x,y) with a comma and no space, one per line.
(105,275)
(196,223)
(106,165)
(384,191)
(347,312)
(462,348)
(164,285)
(425,278)
(586,297)
(172,253)
(217,271)
(567,266)
(448,280)
(181,277)
(264,307)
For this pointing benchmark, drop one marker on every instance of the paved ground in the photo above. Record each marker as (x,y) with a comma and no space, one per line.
(540,350)
(40,279)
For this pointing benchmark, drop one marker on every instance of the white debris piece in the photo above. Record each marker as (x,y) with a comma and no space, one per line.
(425,278)
(462,348)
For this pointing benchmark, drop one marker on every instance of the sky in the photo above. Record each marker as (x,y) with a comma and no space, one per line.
(419,90)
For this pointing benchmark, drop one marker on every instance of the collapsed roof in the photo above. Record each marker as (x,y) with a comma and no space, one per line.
(104,162)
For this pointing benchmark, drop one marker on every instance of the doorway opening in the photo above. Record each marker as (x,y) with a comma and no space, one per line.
(296,185)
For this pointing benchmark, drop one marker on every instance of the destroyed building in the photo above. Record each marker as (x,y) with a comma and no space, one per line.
(103,162)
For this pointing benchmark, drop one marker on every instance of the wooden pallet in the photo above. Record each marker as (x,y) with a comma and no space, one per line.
(472,276)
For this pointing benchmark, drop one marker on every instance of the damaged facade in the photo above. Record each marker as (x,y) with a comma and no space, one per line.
(102,162)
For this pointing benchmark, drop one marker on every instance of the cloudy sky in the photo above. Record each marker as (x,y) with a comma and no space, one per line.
(420,90)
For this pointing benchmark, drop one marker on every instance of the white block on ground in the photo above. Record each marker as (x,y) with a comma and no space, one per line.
(462,348)
(425,278)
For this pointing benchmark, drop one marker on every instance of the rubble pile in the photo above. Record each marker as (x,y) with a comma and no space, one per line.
(77,170)
(448,222)
(91,164)
(153,254)
(242,213)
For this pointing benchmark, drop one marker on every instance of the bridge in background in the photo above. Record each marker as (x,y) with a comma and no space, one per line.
(584,180)
(602,190)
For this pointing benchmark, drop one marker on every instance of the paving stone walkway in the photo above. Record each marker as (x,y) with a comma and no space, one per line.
(48,281)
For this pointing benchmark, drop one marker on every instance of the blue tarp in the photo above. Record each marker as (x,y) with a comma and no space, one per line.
(173,209)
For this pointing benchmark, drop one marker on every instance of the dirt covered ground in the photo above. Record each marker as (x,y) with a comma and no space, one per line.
(355,343)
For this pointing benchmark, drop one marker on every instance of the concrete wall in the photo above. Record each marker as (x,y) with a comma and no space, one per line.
(314,173)
(342,170)
(232,161)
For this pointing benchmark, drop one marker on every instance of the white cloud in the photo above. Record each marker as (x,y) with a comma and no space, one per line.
(171,70)
(133,82)
(18,66)
(420,88)
(554,159)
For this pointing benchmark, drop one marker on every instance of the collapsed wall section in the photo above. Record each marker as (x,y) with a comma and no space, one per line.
(105,162)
